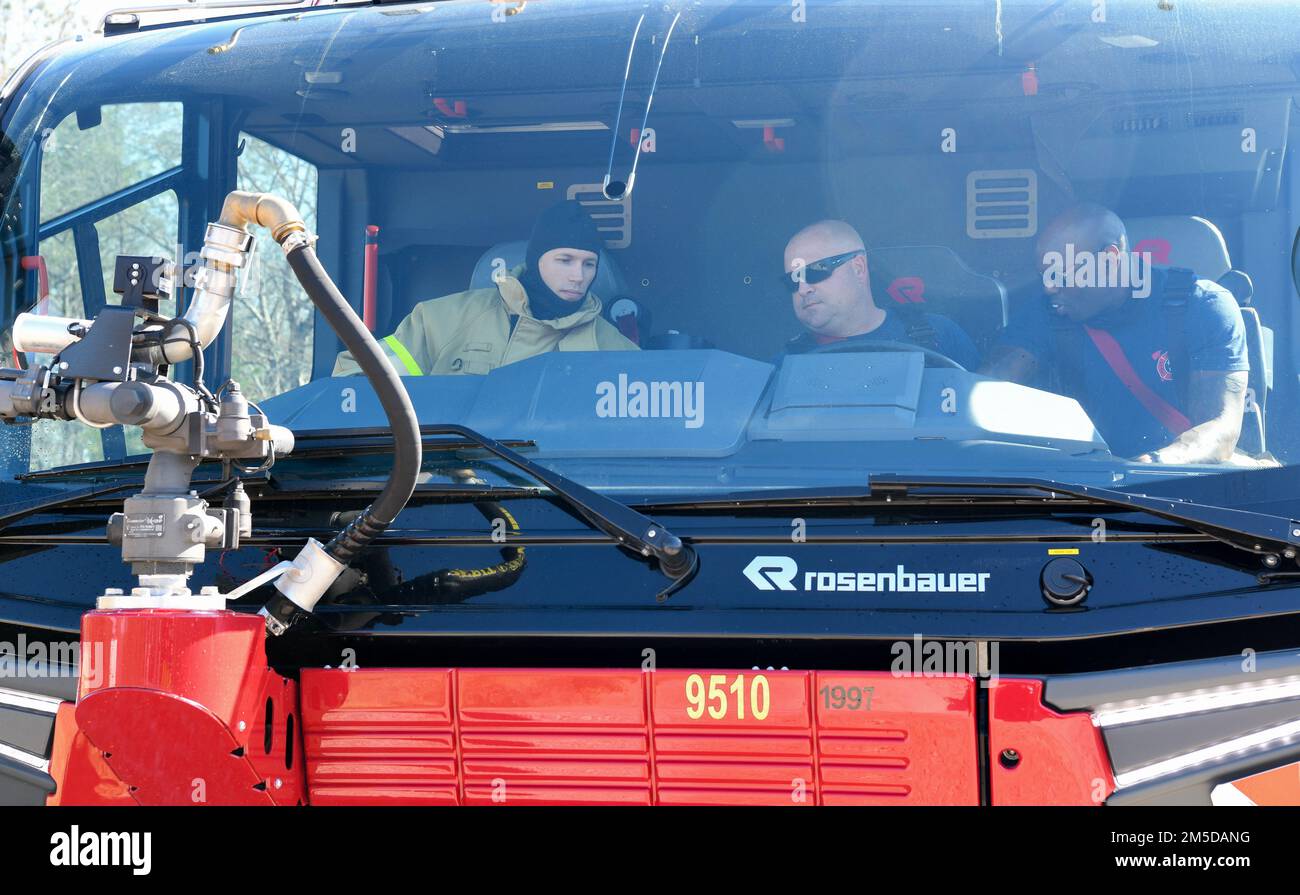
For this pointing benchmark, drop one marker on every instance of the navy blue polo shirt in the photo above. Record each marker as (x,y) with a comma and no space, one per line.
(950,339)
(1216,342)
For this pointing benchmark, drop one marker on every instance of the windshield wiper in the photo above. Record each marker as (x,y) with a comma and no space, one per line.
(622,523)
(349,442)
(630,528)
(314,444)
(1257,533)
(19,510)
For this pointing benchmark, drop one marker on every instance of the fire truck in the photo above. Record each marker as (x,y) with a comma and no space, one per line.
(775,402)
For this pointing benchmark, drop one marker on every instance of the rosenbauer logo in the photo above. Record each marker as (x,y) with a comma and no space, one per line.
(782,573)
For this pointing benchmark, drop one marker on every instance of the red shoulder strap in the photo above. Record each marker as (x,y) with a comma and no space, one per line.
(1168,415)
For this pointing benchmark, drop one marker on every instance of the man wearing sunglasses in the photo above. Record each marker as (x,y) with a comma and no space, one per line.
(828,280)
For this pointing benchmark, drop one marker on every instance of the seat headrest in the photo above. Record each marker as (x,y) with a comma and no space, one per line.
(936,280)
(608,284)
(1181,241)
(1239,283)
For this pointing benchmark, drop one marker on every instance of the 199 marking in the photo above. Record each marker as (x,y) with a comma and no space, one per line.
(851,698)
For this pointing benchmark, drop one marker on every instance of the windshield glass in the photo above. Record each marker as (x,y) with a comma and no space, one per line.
(711,247)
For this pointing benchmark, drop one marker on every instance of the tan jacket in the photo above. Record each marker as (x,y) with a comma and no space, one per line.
(469,332)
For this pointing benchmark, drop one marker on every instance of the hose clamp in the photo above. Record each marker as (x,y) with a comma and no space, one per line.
(298,239)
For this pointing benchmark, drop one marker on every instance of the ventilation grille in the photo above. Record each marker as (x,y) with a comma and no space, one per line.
(1220,118)
(613,219)
(1143,122)
(1001,204)
(1139,124)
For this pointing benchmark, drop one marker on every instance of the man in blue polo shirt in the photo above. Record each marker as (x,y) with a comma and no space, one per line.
(1116,334)
(827,277)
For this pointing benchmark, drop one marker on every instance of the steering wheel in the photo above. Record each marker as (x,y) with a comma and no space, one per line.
(852,346)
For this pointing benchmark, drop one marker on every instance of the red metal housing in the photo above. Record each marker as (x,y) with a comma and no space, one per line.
(483,736)
(179,707)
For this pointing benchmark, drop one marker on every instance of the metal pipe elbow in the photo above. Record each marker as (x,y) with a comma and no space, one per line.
(276,214)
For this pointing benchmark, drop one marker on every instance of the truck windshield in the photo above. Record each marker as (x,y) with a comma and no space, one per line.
(712,246)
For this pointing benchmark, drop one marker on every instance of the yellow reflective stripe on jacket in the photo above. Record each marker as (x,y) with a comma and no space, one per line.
(404,356)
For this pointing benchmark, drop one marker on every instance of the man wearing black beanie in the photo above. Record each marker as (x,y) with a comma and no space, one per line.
(560,264)
(543,305)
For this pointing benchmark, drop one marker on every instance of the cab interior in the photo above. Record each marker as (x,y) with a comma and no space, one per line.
(695,248)
(944,151)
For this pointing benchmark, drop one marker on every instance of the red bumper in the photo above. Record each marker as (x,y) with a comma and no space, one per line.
(184,710)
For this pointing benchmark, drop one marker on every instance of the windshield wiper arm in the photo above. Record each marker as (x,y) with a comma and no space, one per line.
(313,444)
(348,442)
(622,523)
(1254,532)
(19,510)
(630,528)
(1258,533)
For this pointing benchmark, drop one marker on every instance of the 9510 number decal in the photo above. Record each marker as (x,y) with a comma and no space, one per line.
(722,699)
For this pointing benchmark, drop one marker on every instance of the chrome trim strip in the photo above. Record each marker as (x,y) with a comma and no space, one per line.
(1257,741)
(36,702)
(1196,702)
(19,75)
(39,762)
(196,12)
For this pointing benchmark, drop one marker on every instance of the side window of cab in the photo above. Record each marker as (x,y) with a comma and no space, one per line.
(103,192)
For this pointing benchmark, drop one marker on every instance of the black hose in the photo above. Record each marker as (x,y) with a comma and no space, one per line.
(392,396)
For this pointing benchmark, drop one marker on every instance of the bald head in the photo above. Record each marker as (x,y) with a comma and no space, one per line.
(1091,241)
(823,239)
(1089,227)
(837,303)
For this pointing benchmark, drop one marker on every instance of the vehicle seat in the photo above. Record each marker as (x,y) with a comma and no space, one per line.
(410,273)
(1196,243)
(936,280)
(609,286)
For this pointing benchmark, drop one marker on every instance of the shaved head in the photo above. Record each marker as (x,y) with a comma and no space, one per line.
(1086,232)
(830,237)
(1088,226)
(837,305)
(821,240)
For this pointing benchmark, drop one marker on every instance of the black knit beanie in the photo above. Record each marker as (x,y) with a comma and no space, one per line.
(562,226)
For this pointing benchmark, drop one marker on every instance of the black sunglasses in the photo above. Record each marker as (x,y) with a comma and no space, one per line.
(816,271)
